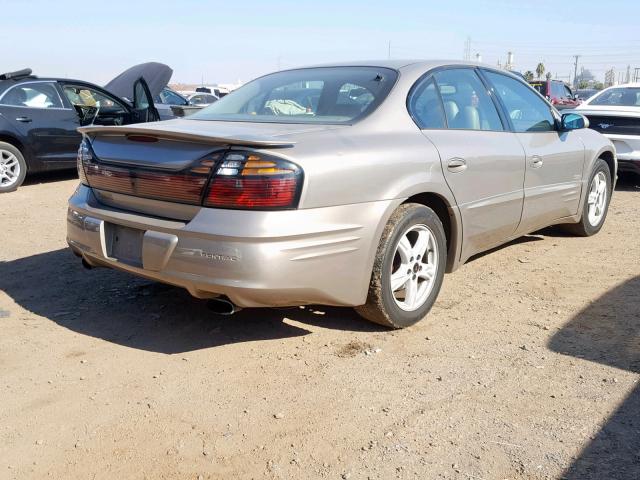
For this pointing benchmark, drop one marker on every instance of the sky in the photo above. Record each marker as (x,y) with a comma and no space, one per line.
(223,42)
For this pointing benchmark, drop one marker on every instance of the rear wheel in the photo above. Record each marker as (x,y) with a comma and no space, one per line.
(13,168)
(408,269)
(596,202)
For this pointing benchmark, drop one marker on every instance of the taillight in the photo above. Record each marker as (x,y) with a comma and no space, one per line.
(250,180)
(235,180)
(84,156)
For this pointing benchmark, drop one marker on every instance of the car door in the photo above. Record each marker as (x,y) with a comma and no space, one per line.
(144,109)
(95,106)
(555,159)
(36,111)
(483,163)
(570,100)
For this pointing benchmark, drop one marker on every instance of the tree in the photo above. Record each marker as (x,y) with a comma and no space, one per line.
(548,75)
(540,70)
(528,75)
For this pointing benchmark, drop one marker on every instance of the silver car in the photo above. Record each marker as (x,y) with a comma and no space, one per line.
(357,185)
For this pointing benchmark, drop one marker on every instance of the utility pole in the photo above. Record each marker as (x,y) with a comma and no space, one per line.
(575,71)
(467,49)
(636,74)
(628,77)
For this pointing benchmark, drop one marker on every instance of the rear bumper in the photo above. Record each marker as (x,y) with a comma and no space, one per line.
(314,256)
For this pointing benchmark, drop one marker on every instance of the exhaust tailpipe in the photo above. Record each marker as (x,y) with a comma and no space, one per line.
(222,306)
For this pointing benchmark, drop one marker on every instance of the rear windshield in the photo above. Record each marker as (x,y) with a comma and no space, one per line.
(329,95)
(621,97)
(541,87)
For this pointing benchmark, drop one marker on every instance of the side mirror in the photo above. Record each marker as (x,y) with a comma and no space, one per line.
(574,121)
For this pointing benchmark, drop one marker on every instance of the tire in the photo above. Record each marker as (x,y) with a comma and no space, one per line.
(13,168)
(407,305)
(591,224)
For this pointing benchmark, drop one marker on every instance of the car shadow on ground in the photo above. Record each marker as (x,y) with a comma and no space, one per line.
(142,314)
(48,177)
(628,182)
(608,332)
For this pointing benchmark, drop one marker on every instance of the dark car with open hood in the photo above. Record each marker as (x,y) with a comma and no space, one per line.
(39,117)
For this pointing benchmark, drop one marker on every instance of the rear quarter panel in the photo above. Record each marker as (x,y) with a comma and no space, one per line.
(343,167)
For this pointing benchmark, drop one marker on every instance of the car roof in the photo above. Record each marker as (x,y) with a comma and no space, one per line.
(399,64)
(34,78)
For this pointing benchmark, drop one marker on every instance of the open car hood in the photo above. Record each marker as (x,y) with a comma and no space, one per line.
(156,75)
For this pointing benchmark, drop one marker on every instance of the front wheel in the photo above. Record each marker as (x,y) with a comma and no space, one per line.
(596,202)
(408,268)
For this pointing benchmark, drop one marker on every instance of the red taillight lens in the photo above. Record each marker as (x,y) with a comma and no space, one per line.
(248,180)
(183,188)
(235,180)
(186,186)
(246,192)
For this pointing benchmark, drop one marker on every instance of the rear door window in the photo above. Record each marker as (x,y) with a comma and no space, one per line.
(541,87)
(467,105)
(33,95)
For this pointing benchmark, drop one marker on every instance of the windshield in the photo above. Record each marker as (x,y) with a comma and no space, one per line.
(331,95)
(621,97)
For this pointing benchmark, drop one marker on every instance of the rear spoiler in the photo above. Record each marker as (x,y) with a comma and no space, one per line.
(167,133)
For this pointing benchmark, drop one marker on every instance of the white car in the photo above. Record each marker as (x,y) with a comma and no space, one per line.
(202,99)
(615,112)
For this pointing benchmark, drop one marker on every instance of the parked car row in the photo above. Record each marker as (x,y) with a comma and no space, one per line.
(351,184)
(39,117)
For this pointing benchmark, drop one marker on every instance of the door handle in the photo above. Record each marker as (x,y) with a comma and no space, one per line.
(456,165)
(536,161)
(23,119)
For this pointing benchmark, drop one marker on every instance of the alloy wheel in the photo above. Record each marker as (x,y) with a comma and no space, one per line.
(414,267)
(597,199)
(9,168)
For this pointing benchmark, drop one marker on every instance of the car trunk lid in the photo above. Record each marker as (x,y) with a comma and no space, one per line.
(174,161)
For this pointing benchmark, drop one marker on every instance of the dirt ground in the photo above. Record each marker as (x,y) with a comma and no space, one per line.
(527,368)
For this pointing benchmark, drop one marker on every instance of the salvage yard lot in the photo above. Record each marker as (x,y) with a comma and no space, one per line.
(527,368)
